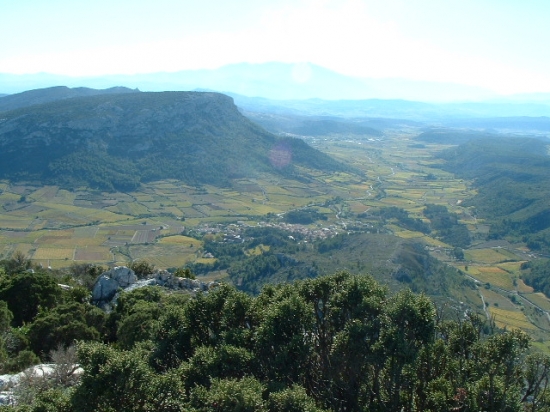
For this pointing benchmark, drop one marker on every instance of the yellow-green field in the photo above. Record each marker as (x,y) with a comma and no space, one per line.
(495,297)
(50,253)
(486,256)
(538,299)
(492,275)
(511,319)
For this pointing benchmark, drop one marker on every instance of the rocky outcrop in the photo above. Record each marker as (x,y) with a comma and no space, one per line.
(109,283)
(168,280)
(121,278)
(68,375)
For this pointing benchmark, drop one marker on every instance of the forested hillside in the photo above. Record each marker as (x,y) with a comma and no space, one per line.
(516,171)
(115,141)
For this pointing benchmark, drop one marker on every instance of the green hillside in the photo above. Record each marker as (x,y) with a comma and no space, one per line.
(117,141)
(516,172)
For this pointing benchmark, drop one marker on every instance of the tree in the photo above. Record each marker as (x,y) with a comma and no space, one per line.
(184,273)
(18,263)
(65,324)
(127,300)
(112,380)
(27,293)
(222,362)
(172,343)
(408,323)
(228,395)
(86,274)
(141,268)
(458,253)
(5,317)
(293,399)
(283,344)
(140,325)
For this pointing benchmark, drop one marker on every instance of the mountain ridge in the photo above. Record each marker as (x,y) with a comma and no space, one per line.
(51,94)
(113,141)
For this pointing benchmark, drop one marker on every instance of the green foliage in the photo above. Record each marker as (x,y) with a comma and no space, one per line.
(5,317)
(536,274)
(65,324)
(21,361)
(283,346)
(293,399)
(222,362)
(17,264)
(141,268)
(458,253)
(337,342)
(139,325)
(86,274)
(184,273)
(332,243)
(127,301)
(135,317)
(27,293)
(252,271)
(173,339)
(79,294)
(228,395)
(447,225)
(112,380)
(53,400)
(98,170)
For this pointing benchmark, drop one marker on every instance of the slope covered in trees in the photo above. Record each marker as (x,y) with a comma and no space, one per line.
(113,141)
(516,171)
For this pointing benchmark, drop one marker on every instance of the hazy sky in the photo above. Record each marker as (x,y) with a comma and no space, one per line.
(497,44)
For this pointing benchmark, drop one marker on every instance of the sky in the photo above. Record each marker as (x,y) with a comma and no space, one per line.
(500,45)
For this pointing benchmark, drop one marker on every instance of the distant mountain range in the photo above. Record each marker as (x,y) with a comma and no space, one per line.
(310,90)
(280,81)
(397,109)
(117,138)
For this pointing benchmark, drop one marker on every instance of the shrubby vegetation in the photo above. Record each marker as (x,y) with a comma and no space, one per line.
(37,316)
(337,342)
